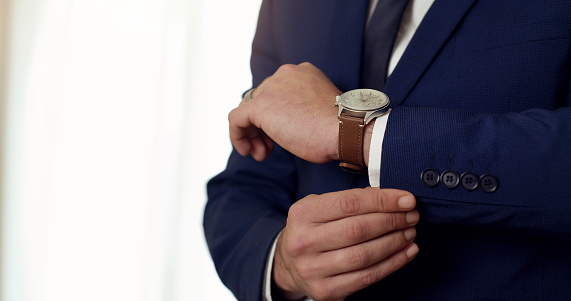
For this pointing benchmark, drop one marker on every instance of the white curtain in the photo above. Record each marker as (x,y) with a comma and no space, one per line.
(115,117)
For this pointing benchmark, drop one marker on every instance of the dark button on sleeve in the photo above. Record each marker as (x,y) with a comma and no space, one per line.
(469,181)
(489,183)
(450,179)
(430,177)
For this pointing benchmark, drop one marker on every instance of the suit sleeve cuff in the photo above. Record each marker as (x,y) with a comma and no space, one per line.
(375,150)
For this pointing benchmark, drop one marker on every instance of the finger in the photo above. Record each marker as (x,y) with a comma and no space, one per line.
(357,229)
(348,283)
(243,146)
(268,142)
(241,130)
(248,95)
(368,253)
(309,66)
(259,149)
(337,205)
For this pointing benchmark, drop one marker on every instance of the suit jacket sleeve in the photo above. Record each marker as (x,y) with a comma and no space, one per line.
(248,202)
(528,152)
(495,100)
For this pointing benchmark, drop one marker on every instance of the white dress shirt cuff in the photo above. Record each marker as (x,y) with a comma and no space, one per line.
(376,149)
(267,286)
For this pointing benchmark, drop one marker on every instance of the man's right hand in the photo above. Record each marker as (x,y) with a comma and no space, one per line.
(295,107)
(338,243)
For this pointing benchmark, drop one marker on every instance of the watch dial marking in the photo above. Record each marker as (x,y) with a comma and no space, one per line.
(364,99)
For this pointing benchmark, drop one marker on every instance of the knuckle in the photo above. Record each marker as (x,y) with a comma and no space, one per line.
(309,198)
(306,269)
(381,201)
(320,290)
(297,246)
(393,244)
(392,221)
(357,230)
(368,277)
(296,211)
(359,258)
(286,68)
(350,203)
(231,115)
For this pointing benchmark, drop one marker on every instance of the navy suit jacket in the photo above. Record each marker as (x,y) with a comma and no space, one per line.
(483,87)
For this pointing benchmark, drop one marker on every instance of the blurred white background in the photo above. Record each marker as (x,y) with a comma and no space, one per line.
(114,116)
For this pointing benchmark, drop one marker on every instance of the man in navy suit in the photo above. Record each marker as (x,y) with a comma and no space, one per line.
(477,146)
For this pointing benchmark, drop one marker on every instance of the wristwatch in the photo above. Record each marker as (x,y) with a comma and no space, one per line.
(356,109)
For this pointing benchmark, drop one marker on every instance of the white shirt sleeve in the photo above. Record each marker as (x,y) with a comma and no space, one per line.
(267,285)
(411,18)
(376,149)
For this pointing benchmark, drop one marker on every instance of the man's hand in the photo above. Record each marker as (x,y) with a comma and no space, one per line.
(295,108)
(338,243)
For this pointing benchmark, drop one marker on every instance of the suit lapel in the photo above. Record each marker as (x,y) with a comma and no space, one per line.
(342,47)
(434,30)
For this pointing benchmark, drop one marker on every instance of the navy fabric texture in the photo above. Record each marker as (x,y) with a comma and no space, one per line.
(483,88)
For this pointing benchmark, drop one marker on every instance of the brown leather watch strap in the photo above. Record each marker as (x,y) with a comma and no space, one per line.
(351,143)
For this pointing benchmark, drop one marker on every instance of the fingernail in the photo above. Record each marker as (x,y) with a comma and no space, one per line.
(412,217)
(412,251)
(406,202)
(410,234)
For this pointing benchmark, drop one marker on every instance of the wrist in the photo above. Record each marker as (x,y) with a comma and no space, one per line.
(368,134)
(334,145)
(278,294)
(334,132)
(358,108)
(283,285)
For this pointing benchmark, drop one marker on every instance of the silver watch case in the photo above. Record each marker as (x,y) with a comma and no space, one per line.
(363,103)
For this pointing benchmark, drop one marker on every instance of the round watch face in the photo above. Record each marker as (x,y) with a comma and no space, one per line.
(364,99)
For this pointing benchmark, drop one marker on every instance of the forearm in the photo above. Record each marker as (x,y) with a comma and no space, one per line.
(247,206)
